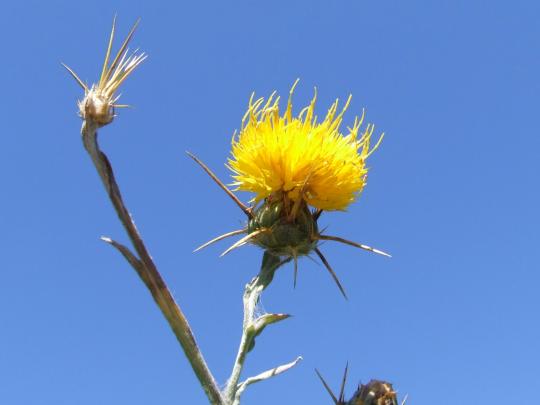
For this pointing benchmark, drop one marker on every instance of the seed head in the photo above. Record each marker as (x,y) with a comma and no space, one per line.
(100,100)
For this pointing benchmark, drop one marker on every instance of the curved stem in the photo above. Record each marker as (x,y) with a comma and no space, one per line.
(148,271)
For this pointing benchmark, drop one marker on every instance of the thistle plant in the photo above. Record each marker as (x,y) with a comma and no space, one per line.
(296,167)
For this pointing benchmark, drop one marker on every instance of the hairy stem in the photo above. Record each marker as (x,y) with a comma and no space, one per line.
(147,270)
(250,327)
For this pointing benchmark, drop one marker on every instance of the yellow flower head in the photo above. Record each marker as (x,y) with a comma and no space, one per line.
(299,157)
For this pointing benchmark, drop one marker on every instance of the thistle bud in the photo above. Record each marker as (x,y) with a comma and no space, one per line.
(285,235)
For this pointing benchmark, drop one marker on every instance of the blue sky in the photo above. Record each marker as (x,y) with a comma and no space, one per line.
(452,194)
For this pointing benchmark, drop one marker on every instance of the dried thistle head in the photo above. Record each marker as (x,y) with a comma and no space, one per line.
(100,100)
(297,167)
(375,392)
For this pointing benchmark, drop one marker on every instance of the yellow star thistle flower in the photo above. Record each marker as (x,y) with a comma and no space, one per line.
(100,99)
(299,157)
(290,163)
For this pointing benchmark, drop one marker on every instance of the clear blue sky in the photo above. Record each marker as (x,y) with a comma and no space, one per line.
(452,318)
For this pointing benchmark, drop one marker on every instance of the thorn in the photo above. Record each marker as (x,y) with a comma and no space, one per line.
(120,53)
(74,75)
(332,273)
(317,214)
(107,54)
(243,241)
(336,402)
(405,399)
(243,207)
(348,242)
(217,239)
(342,389)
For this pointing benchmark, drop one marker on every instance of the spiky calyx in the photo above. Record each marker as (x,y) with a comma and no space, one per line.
(283,234)
(282,227)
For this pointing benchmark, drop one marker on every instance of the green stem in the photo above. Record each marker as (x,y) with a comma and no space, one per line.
(252,293)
